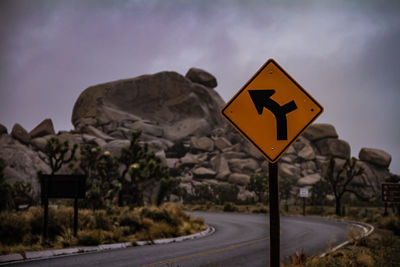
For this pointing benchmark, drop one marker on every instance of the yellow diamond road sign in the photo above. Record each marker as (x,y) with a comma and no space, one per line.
(271,110)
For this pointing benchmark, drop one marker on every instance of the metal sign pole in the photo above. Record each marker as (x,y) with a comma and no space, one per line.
(274,227)
(304,206)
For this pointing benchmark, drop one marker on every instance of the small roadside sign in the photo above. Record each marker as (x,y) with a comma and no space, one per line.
(271,110)
(391,192)
(303,192)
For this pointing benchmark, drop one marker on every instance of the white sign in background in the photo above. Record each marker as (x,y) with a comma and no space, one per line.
(303,192)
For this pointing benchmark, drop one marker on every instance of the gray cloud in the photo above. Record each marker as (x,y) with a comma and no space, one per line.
(344,53)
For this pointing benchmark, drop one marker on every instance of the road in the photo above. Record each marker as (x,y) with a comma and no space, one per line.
(239,240)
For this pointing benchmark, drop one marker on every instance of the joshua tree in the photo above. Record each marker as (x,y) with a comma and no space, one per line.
(140,167)
(167,186)
(57,153)
(259,184)
(342,181)
(319,191)
(225,193)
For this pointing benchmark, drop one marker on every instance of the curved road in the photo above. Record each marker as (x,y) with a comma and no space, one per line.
(239,240)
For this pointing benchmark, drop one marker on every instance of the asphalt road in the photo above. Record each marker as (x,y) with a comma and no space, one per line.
(239,240)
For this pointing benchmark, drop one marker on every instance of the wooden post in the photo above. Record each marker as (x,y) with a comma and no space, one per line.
(76,217)
(386,211)
(76,208)
(274,224)
(46,210)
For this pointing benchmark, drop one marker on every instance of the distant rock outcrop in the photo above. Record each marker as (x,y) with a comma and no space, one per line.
(375,156)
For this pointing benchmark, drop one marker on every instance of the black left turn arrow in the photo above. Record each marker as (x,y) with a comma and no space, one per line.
(262,98)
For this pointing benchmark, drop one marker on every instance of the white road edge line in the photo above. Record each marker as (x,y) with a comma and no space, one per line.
(361,225)
(57,253)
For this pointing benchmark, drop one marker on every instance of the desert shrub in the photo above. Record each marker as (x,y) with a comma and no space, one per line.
(316,210)
(176,212)
(24,228)
(90,237)
(131,221)
(164,230)
(229,206)
(34,217)
(66,238)
(86,219)
(156,215)
(13,227)
(391,223)
(102,221)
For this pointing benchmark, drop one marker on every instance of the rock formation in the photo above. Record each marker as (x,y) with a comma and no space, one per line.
(180,121)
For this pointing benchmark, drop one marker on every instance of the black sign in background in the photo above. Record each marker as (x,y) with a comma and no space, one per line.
(63,186)
(391,192)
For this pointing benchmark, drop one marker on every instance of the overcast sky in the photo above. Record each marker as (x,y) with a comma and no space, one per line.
(344,53)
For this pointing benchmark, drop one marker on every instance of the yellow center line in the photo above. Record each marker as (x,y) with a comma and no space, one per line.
(209,252)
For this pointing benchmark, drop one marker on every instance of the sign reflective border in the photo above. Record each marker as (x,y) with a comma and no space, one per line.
(271,110)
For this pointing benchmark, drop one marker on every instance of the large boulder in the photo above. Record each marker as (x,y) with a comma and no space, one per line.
(334,147)
(239,179)
(373,176)
(309,179)
(44,128)
(222,143)
(203,173)
(98,133)
(167,99)
(22,163)
(319,131)
(202,143)
(202,77)
(115,146)
(247,166)
(307,153)
(375,156)
(19,133)
(288,171)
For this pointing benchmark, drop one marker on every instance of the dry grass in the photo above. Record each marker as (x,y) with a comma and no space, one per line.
(21,231)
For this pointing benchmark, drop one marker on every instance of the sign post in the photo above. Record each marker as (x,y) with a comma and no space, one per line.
(271,111)
(304,195)
(391,192)
(274,221)
(61,186)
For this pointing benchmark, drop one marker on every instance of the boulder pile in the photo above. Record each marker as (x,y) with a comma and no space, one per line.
(179,120)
